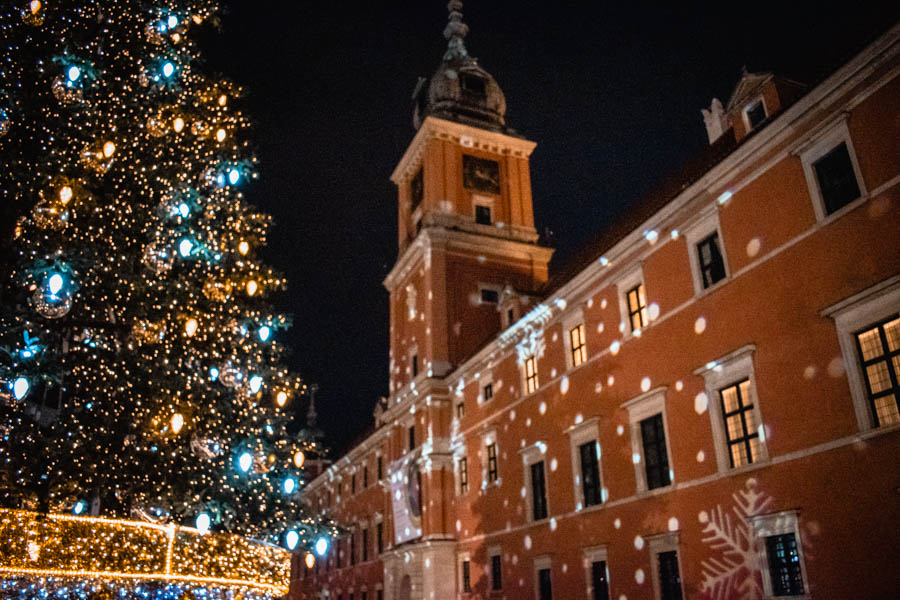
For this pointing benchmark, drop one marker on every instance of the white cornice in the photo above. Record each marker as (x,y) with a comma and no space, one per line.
(463,135)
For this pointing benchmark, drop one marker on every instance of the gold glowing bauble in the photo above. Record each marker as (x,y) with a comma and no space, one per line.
(176,37)
(281,399)
(243,248)
(178,125)
(223,99)
(252,287)
(108,149)
(35,6)
(310,560)
(299,459)
(177,422)
(221,134)
(65,194)
(190,328)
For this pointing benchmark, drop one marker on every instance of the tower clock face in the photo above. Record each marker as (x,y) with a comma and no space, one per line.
(481,174)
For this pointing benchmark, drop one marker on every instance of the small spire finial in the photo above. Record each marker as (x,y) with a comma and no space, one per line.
(456,31)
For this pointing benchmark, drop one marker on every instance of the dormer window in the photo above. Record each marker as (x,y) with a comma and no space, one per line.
(473,85)
(755,114)
(416,190)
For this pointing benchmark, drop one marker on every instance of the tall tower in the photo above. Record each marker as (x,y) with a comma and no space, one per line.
(468,265)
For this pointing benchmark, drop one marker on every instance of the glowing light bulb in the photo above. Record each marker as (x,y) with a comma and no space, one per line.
(299,459)
(252,286)
(190,328)
(65,194)
(213,374)
(321,546)
(108,149)
(202,523)
(234,176)
(55,284)
(185,247)
(265,332)
(281,398)
(292,539)
(290,484)
(243,247)
(178,124)
(221,135)
(245,460)
(223,99)
(172,21)
(255,384)
(73,73)
(168,69)
(35,6)
(310,560)
(177,422)
(79,507)
(184,209)
(20,388)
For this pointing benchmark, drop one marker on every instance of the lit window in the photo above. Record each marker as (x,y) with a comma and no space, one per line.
(492,462)
(463,467)
(878,346)
(637,307)
(756,114)
(741,428)
(656,459)
(579,348)
(712,264)
(531,377)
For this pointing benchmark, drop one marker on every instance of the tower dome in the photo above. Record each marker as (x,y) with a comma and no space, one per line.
(460,90)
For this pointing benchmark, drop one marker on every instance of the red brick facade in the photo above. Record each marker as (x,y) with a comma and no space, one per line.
(720,439)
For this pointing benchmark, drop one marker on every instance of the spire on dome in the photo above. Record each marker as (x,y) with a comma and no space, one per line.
(455,32)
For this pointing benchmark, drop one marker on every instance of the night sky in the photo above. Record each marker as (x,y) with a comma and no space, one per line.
(612,96)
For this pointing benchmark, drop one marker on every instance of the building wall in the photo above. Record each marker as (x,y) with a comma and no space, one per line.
(793,274)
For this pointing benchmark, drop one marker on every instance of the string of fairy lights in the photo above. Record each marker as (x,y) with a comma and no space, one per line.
(141,374)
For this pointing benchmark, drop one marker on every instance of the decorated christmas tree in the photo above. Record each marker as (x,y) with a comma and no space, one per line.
(141,375)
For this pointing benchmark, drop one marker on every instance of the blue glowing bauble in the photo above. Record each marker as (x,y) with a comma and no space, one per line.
(168,69)
(265,332)
(290,484)
(291,539)
(234,176)
(185,247)
(73,73)
(20,388)
(184,209)
(79,507)
(213,374)
(55,283)
(172,21)
(255,384)
(321,546)
(202,523)
(245,461)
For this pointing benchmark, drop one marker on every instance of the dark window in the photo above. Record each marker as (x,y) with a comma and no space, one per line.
(352,548)
(490,296)
(487,392)
(412,437)
(579,350)
(878,346)
(531,376)
(590,473)
(756,114)
(353,483)
(538,491)
(669,578)
(712,265)
(510,316)
(545,590)
(481,174)
(837,180)
(784,565)
(483,215)
(365,545)
(463,475)
(492,462)
(379,594)
(741,430)
(365,596)
(415,364)
(417,189)
(380,467)
(656,460)
(379,537)
(460,410)
(473,85)
(351,596)
(365,476)
(637,307)
(599,581)
(496,573)
(467,579)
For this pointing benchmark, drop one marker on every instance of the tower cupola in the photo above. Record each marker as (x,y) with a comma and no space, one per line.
(460,90)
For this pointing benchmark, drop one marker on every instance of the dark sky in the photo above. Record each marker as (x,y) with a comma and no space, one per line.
(612,96)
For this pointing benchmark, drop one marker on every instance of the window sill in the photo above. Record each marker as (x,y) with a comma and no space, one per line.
(658,491)
(827,220)
(702,293)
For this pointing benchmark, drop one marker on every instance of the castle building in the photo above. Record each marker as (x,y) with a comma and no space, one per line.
(704,406)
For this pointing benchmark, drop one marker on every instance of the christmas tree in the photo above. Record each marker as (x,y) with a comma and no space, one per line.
(141,374)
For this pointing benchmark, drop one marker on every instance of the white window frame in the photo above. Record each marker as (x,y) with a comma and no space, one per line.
(541,563)
(850,315)
(746,117)
(624,284)
(487,201)
(706,225)
(460,559)
(524,371)
(584,432)
(592,555)
(817,147)
(657,544)
(570,322)
(483,381)
(487,438)
(717,375)
(493,551)
(532,454)
(763,526)
(642,407)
